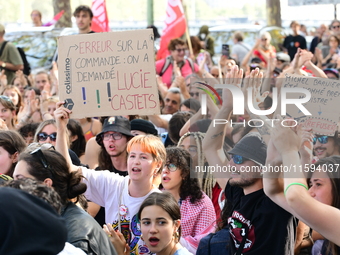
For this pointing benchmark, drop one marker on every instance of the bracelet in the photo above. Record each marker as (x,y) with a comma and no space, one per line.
(295,183)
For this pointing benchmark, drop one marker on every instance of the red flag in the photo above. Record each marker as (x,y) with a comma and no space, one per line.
(54,20)
(175,26)
(100,21)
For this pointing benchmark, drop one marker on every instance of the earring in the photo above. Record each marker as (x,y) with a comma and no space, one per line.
(141,237)
(176,237)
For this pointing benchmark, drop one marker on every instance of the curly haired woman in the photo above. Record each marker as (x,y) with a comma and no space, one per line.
(197,211)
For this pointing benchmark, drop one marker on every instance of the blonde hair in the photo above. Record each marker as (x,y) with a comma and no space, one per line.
(206,179)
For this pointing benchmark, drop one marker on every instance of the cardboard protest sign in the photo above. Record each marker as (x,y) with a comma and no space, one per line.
(323,105)
(108,74)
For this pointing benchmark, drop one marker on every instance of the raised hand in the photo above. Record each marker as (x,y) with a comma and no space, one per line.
(234,78)
(62,115)
(117,239)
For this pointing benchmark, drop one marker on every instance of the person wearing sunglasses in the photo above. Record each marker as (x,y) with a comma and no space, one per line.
(197,211)
(47,133)
(326,146)
(165,66)
(121,196)
(294,41)
(255,223)
(264,49)
(48,166)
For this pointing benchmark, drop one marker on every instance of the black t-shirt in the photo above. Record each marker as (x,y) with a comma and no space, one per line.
(292,43)
(271,228)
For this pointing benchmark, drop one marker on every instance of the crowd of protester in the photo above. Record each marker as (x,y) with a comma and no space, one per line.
(142,185)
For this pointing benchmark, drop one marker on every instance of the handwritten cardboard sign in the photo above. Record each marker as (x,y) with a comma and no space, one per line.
(108,74)
(323,105)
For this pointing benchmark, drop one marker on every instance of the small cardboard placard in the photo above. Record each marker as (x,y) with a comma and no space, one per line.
(108,74)
(323,105)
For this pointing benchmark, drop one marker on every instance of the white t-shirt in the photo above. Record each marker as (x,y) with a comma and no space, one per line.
(110,190)
(69,249)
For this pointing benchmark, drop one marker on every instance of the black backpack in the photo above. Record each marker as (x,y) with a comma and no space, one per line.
(27,67)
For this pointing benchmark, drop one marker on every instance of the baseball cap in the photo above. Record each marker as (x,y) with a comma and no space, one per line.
(252,147)
(282,57)
(116,124)
(143,125)
(332,70)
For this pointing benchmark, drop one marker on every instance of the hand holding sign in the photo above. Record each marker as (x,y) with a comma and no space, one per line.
(107,74)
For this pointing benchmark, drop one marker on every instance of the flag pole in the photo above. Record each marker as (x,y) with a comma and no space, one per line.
(187,35)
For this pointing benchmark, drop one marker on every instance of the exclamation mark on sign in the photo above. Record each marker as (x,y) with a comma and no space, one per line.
(98,98)
(109,91)
(84,94)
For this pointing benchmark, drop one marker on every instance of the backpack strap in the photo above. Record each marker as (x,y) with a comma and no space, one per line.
(3,47)
(191,63)
(166,65)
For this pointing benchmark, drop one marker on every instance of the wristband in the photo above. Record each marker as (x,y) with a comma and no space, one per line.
(295,183)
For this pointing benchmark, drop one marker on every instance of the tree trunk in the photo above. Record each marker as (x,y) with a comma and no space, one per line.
(58,6)
(273,13)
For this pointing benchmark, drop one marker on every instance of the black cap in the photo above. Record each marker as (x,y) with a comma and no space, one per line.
(114,124)
(143,125)
(252,147)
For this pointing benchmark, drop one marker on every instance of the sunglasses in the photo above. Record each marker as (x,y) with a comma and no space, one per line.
(334,27)
(264,39)
(197,94)
(40,155)
(43,146)
(322,139)
(180,50)
(43,137)
(171,167)
(238,159)
(115,136)
(6,98)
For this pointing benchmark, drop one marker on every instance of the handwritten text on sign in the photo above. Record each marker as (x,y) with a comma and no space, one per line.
(109,74)
(322,105)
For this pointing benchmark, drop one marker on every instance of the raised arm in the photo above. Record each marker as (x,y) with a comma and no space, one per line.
(62,116)
(296,193)
(214,138)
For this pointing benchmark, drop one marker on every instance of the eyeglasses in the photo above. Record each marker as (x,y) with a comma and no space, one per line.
(180,50)
(115,136)
(192,149)
(238,159)
(334,27)
(322,139)
(171,167)
(197,94)
(43,137)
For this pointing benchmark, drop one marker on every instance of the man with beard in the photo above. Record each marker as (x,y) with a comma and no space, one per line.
(83,15)
(256,224)
(326,146)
